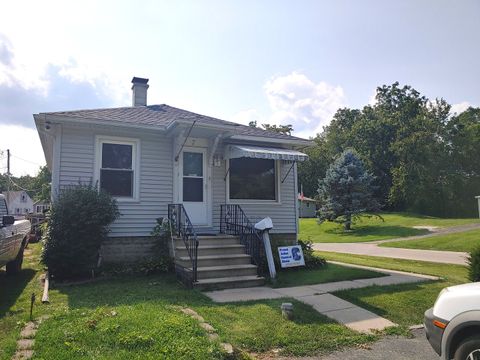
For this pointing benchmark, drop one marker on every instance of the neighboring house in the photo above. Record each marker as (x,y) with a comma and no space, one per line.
(18,202)
(150,156)
(307,207)
(40,207)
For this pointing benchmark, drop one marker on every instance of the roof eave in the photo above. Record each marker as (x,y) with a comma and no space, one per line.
(298,142)
(90,121)
(45,139)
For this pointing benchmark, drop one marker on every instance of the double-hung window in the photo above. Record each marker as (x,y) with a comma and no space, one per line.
(253,179)
(117,167)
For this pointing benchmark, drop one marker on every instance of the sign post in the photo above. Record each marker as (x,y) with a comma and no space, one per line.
(264,226)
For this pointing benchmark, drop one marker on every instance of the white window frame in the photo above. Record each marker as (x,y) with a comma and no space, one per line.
(135,143)
(277,200)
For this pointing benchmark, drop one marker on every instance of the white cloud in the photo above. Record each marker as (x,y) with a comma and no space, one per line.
(25,148)
(246,116)
(308,106)
(460,107)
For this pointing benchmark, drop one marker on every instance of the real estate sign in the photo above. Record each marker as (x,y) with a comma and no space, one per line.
(291,256)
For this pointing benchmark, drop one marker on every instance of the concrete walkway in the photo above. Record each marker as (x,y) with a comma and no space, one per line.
(372,249)
(434,231)
(319,297)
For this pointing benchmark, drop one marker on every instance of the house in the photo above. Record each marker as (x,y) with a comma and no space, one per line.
(307,207)
(40,207)
(150,156)
(19,202)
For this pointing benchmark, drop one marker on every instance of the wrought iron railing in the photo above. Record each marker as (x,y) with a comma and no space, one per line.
(233,221)
(182,227)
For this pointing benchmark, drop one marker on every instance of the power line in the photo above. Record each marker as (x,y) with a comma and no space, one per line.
(15,184)
(19,158)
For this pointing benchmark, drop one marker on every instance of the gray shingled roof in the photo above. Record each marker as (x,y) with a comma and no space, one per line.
(163,115)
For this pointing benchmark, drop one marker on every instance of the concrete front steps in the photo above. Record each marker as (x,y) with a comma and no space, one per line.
(221,263)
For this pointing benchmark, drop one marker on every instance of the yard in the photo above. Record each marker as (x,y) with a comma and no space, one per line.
(395,225)
(139,317)
(465,241)
(402,304)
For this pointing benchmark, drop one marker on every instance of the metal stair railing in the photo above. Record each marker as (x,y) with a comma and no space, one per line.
(233,221)
(182,227)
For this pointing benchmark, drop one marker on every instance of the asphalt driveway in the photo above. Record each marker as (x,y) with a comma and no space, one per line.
(389,347)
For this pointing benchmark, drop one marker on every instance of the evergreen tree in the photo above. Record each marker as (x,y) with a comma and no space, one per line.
(346,192)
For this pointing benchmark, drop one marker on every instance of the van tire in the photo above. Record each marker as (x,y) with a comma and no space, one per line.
(15,266)
(467,347)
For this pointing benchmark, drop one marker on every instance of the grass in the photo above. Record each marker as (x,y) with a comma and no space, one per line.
(138,317)
(465,241)
(402,304)
(329,273)
(259,327)
(15,293)
(396,225)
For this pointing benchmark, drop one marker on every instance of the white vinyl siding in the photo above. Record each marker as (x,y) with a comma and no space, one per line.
(155,175)
(77,158)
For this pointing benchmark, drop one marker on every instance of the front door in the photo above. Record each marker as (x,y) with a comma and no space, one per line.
(193,185)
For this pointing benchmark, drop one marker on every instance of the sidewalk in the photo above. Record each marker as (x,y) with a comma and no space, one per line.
(319,297)
(372,249)
(434,231)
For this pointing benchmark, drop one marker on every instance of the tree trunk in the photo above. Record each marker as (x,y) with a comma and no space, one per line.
(348,222)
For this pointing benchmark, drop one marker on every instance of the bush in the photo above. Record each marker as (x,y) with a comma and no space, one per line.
(311,260)
(79,222)
(474,265)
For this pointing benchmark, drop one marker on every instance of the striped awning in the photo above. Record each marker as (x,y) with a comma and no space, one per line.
(238,151)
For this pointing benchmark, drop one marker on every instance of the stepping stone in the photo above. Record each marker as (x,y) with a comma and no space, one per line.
(207,327)
(228,348)
(29,330)
(25,344)
(28,333)
(213,336)
(23,355)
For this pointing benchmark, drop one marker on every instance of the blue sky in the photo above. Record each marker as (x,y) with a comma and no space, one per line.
(273,61)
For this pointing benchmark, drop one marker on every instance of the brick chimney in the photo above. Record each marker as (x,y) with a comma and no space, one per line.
(139,91)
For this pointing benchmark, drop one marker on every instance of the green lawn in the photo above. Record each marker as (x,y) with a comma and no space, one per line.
(402,304)
(465,241)
(15,292)
(138,317)
(329,273)
(371,229)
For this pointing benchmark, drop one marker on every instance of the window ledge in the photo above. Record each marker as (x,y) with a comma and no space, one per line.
(254,202)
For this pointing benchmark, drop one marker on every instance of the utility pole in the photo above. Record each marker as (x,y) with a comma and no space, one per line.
(8,171)
(8,162)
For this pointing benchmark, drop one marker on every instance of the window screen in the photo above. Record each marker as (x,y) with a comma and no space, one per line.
(116,172)
(252,179)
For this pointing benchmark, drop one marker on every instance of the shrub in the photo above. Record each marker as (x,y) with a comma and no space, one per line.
(79,222)
(311,260)
(474,265)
